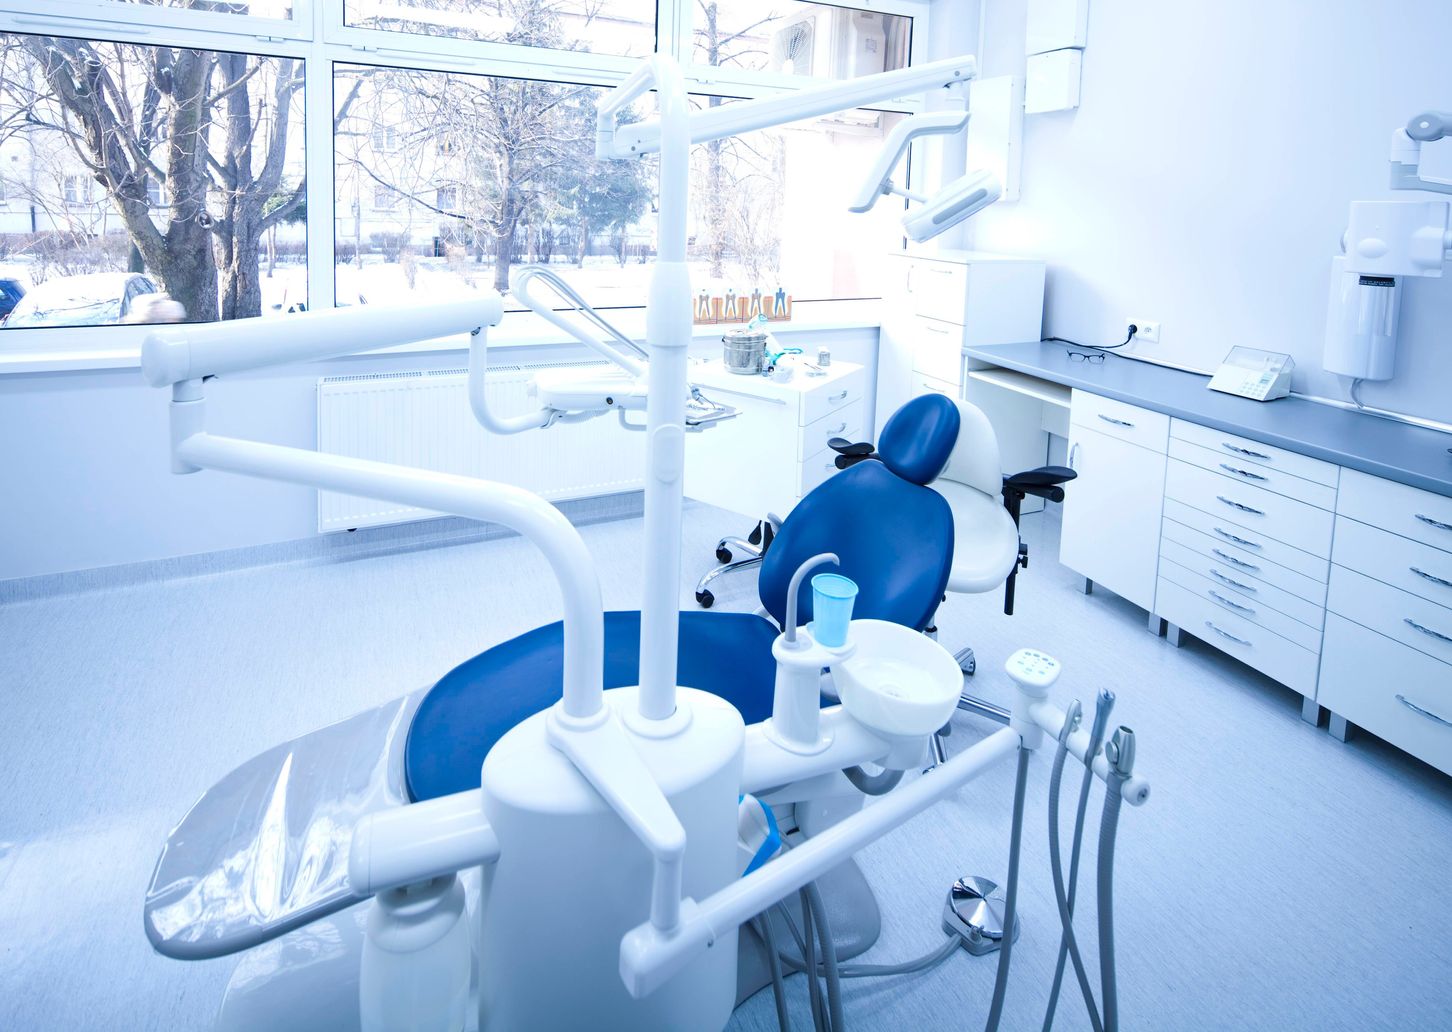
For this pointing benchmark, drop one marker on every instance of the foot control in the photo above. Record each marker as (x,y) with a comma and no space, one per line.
(974,913)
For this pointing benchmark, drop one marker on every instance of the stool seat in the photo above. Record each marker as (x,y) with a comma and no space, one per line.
(985,538)
(473,705)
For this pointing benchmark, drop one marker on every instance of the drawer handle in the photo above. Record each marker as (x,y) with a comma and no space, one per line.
(1431,577)
(1426,630)
(1234,561)
(1116,422)
(1434,523)
(842,427)
(1238,540)
(1231,581)
(1243,451)
(1236,605)
(1409,704)
(1227,634)
(1242,508)
(1241,472)
(838,396)
(1073,454)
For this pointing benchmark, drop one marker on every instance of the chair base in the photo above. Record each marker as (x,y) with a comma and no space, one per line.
(734,553)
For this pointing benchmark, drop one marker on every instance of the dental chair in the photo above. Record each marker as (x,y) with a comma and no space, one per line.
(986,506)
(276,831)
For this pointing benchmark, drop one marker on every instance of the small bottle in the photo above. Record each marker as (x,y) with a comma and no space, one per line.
(824,357)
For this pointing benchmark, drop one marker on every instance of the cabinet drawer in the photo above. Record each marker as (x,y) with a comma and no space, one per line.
(1242,605)
(939,290)
(938,349)
(1413,621)
(1272,655)
(1267,513)
(814,471)
(1398,561)
(1408,511)
(845,423)
(1251,545)
(1127,422)
(831,397)
(1242,450)
(922,383)
(1235,582)
(1392,691)
(1241,472)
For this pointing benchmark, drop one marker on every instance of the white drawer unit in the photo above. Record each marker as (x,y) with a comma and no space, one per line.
(775,450)
(1239,561)
(1243,450)
(1242,603)
(1248,543)
(1127,422)
(1401,562)
(1238,471)
(1408,511)
(939,353)
(1238,582)
(1112,512)
(1254,644)
(1266,513)
(1396,693)
(1410,619)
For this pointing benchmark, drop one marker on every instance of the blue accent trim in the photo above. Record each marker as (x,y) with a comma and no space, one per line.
(771,845)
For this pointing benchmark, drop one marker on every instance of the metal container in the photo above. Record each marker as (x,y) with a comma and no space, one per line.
(743,351)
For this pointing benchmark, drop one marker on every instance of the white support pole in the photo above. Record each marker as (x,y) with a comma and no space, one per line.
(513,507)
(668,337)
(649,957)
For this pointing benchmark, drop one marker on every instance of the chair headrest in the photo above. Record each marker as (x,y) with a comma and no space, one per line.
(918,439)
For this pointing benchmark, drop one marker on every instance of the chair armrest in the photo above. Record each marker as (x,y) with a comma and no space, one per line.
(1043,482)
(848,453)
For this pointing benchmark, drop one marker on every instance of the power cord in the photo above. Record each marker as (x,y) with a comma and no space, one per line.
(1133,329)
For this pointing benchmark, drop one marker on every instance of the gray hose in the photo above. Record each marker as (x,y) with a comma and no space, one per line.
(1010,906)
(1068,945)
(1108,827)
(907,967)
(835,1020)
(873,784)
(809,952)
(773,963)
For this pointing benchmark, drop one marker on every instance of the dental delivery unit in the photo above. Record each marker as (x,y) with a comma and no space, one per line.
(589,858)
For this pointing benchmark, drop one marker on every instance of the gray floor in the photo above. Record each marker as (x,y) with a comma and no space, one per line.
(1277,880)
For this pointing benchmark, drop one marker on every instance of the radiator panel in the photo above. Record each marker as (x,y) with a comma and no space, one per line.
(423,420)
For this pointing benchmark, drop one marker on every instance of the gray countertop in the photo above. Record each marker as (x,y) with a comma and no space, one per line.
(1382,447)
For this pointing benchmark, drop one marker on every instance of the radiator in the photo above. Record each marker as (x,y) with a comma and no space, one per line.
(422,419)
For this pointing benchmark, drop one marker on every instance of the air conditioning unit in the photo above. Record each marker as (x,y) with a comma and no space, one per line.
(830,43)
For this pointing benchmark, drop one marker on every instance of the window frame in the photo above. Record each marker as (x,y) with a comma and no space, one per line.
(317,35)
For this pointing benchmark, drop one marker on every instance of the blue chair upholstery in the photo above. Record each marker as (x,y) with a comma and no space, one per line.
(860,514)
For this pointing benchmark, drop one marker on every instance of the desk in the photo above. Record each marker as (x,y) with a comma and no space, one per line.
(775,450)
(1312,543)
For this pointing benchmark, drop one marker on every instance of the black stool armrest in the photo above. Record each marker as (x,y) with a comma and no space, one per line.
(848,453)
(1041,483)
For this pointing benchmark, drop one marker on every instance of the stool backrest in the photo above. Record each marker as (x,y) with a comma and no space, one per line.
(975,460)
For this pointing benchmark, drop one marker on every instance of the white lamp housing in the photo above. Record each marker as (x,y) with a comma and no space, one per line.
(962,198)
(1361,324)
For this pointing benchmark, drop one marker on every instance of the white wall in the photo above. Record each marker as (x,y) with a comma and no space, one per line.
(1205,178)
(85,478)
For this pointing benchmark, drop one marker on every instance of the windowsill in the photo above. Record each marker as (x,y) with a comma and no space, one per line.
(518,330)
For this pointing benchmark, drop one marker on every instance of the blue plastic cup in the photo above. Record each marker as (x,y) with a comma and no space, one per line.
(833,596)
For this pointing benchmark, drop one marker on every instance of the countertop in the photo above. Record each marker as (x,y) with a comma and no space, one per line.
(1407,454)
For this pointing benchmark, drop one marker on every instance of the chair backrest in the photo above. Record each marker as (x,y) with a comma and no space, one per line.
(893,534)
(975,460)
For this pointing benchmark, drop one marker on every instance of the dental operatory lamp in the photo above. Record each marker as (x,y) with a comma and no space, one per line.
(1385,241)
(958,200)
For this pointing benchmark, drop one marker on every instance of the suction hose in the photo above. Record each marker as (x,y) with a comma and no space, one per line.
(1068,945)
(1120,754)
(1010,906)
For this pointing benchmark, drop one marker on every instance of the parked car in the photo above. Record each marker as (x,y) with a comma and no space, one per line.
(90,300)
(10,294)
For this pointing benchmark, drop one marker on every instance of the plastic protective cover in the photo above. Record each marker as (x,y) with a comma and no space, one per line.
(265,850)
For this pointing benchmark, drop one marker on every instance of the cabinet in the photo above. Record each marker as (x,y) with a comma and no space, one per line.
(775,450)
(936,305)
(1111,525)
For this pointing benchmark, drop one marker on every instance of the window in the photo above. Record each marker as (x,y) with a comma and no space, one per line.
(625,28)
(789,37)
(122,213)
(462,147)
